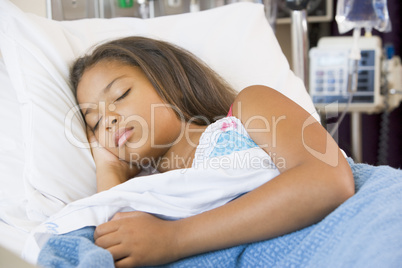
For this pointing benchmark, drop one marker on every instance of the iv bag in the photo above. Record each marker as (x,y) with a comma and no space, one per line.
(367,14)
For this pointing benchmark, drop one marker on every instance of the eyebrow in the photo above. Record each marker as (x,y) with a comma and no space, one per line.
(104,91)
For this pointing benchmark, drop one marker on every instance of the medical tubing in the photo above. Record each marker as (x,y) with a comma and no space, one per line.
(353,73)
(338,122)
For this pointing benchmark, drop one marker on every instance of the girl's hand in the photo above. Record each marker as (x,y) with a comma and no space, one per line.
(138,239)
(110,170)
(100,154)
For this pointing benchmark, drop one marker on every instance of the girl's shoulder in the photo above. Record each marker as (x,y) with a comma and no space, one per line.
(253,99)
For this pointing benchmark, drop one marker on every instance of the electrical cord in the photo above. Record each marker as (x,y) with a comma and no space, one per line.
(384,127)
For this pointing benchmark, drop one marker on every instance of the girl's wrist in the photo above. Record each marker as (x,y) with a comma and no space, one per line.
(188,239)
(108,176)
(124,170)
(177,250)
(108,169)
(183,246)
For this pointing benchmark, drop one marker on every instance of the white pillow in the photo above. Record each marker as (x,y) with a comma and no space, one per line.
(11,146)
(235,40)
(12,160)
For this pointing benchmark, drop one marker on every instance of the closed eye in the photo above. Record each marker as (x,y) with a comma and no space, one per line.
(124,95)
(119,98)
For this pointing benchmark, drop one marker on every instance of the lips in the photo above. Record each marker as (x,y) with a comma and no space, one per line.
(122,135)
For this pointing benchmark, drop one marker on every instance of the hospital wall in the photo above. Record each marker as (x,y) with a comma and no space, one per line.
(37,7)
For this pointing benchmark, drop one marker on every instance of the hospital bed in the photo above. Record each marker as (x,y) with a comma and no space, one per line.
(46,164)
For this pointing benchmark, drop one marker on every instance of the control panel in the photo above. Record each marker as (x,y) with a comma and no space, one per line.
(329,63)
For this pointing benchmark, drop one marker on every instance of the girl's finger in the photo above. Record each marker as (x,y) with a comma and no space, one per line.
(105,228)
(123,215)
(91,138)
(90,134)
(125,262)
(108,240)
(119,252)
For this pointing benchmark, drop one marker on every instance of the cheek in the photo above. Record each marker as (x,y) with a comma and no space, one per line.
(167,128)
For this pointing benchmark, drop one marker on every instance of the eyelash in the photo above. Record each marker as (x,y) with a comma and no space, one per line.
(124,95)
(119,98)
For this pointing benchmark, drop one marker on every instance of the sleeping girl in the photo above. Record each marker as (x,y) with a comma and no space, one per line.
(150,104)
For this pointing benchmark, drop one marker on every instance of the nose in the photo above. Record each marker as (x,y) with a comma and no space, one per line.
(110,122)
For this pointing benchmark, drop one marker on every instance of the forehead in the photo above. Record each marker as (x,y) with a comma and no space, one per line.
(96,78)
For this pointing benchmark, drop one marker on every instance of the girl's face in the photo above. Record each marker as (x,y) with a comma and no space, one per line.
(126,114)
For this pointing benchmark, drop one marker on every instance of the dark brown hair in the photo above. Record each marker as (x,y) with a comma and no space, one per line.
(181,79)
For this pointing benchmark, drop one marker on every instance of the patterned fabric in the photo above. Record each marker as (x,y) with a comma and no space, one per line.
(224,137)
(75,250)
(231,141)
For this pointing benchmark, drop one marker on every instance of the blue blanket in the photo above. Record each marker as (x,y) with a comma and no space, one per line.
(365,231)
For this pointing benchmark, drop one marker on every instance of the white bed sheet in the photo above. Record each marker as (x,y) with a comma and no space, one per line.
(12,238)
(9,259)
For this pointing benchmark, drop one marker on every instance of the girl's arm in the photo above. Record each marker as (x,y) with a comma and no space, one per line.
(315,178)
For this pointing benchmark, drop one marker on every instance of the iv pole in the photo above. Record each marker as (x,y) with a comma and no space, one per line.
(300,47)
(299,39)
